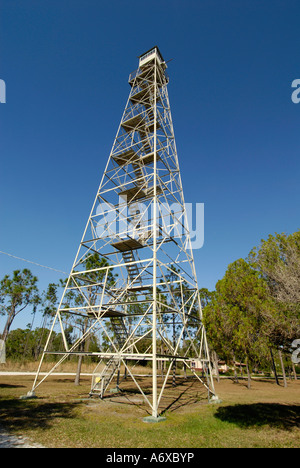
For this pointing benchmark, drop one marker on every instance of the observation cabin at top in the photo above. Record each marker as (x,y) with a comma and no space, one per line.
(146,61)
(151,55)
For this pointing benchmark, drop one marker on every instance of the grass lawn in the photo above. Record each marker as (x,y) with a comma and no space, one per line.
(63,416)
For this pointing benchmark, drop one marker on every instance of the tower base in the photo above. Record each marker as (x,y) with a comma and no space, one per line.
(153,419)
(30,396)
(215,400)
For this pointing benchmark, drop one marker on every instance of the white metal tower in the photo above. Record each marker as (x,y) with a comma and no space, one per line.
(134,273)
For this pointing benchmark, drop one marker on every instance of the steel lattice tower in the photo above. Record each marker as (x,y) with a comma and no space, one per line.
(134,271)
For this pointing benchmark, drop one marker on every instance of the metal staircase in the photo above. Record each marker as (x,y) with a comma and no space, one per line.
(120,331)
(132,268)
(101,381)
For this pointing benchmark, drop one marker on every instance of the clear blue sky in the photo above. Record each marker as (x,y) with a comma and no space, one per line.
(66,65)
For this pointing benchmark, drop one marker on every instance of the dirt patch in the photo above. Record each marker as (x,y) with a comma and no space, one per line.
(11,441)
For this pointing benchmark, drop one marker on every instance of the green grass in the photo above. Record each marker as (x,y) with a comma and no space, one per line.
(266,416)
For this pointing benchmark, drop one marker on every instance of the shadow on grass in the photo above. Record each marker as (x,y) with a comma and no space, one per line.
(17,415)
(184,395)
(274,415)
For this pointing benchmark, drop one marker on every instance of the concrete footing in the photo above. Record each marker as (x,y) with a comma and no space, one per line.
(152,419)
(115,390)
(30,396)
(215,400)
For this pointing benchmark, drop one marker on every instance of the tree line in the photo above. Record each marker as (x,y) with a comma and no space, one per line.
(254,311)
(253,316)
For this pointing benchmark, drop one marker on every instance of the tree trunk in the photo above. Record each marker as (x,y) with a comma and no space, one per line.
(162,362)
(274,367)
(83,346)
(283,369)
(236,380)
(294,371)
(77,378)
(216,365)
(249,375)
(8,324)
(125,370)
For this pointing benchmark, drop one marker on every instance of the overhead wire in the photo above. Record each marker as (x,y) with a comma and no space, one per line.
(33,263)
